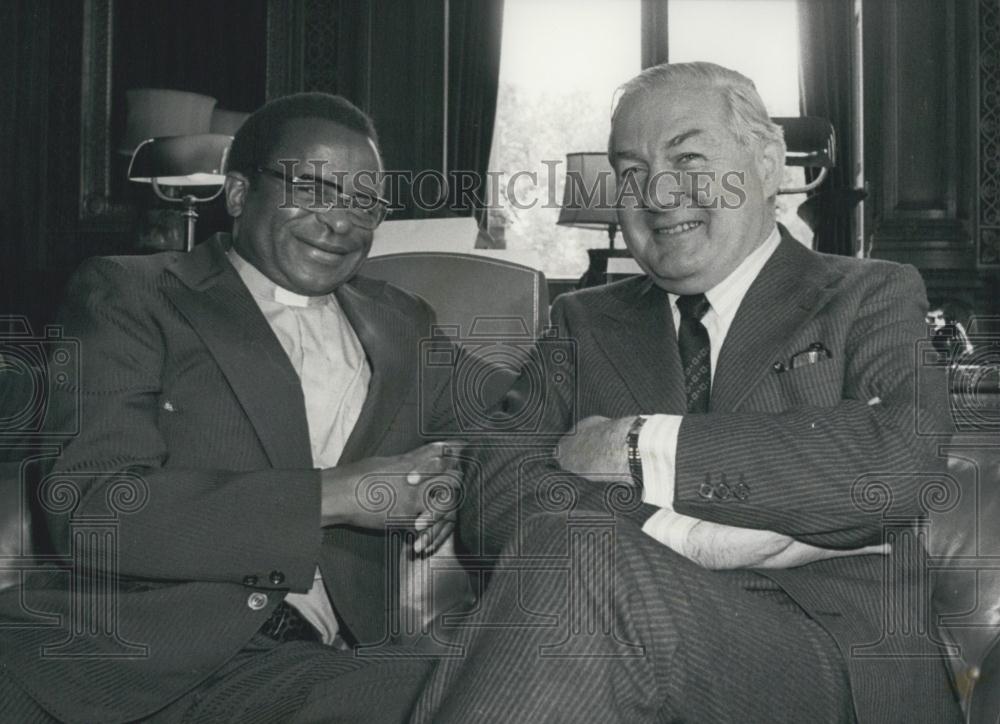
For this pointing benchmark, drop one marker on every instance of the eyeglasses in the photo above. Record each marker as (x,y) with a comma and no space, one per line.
(319,195)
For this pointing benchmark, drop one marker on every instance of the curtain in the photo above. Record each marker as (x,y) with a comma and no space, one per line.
(474,34)
(654,33)
(825,29)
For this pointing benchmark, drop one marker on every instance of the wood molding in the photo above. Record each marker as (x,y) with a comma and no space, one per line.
(285,30)
(988,135)
(96,208)
(920,157)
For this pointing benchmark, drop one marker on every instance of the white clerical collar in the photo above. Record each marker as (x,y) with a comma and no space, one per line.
(263,288)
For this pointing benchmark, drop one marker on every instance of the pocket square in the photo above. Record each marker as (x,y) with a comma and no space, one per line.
(169,406)
(815,352)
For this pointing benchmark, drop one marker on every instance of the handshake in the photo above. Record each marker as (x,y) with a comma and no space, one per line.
(421,486)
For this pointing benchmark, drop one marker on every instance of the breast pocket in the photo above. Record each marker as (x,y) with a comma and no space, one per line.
(820,384)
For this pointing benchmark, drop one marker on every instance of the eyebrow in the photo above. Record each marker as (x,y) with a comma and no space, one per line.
(625,156)
(681,138)
(629,155)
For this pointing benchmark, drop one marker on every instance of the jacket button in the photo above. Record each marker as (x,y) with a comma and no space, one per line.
(742,491)
(723,491)
(257,601)
(277,577)
(705,491)
(249,580)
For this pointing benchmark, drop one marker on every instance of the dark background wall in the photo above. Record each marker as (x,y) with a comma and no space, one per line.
(932,104)
(932,99)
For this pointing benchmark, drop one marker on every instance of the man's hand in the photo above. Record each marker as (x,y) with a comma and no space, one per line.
(422,485)
(596,448)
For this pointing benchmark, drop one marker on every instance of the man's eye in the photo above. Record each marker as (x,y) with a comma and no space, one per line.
(686,158)
(630,172)
(308,194)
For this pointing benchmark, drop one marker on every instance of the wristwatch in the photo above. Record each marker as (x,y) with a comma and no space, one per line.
(634,456)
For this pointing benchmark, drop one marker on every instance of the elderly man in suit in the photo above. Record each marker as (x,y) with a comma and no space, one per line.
(245,410)
(764,401)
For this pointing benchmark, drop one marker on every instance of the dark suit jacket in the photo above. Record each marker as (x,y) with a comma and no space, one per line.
(804,442)
(185,386)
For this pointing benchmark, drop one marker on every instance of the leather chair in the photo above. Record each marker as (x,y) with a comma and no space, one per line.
(18,410)
(964,545)
(14,529)
(473,292)
(495,309)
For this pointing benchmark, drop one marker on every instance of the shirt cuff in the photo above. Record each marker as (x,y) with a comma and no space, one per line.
(671,529)
(658,448)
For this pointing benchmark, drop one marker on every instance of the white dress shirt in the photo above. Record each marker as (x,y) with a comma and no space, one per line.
(334,373)
(658,438)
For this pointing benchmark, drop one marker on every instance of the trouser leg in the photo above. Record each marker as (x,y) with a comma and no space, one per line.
(665,640)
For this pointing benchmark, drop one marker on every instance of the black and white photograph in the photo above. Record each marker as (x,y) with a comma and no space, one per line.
(529,361)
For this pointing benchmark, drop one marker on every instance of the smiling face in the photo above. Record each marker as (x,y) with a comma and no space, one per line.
(695,200)
(302,251)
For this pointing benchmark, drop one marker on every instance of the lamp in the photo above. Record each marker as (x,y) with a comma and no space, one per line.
(155,112)
(182,161)
(227,122)
(589,194)
(809,142)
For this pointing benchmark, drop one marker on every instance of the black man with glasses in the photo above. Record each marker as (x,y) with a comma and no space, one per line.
(257,400)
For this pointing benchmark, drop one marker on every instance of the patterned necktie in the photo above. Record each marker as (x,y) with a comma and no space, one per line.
(692,340)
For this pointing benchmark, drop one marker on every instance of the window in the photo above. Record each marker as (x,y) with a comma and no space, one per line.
(758,38)
(560,64)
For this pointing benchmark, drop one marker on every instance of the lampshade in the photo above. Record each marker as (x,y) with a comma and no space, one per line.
(227,122)
(154,112)
(589,195)
(197,160)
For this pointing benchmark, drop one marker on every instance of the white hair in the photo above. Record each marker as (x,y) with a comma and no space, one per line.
(748,116)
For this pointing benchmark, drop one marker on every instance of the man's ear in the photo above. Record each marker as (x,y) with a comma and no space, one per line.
(236,188)
(771,167)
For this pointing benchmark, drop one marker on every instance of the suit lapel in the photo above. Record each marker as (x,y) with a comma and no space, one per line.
(793,285)
(391,348)
(637,335)
(225,316)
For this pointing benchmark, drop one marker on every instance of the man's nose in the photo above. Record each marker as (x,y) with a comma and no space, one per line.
(665,189)
(336,218)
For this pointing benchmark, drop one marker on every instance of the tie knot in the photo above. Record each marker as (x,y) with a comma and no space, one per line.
(693,306)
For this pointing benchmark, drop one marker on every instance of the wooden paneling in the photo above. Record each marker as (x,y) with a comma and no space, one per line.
(386,56)
(918,149)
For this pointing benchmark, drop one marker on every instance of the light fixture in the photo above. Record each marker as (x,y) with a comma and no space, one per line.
(182,162)
(589,194)
(810,142)
(156,112)
(227,122)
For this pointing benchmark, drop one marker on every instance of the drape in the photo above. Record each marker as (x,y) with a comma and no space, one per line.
(825,28)
(474,35)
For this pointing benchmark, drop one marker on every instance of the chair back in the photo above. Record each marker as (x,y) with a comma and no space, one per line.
(476,294)
(493,309)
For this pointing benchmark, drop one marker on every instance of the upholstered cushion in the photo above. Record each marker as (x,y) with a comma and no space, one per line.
(13,529)
(965,545)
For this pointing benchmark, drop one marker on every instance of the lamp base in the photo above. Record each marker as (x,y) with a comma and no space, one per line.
(161,230)
(597,272)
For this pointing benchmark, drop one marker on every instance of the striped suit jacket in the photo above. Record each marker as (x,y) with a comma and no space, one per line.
(835,454)
(185,388)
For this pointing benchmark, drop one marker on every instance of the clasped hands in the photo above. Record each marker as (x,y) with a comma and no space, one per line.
(423,485)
